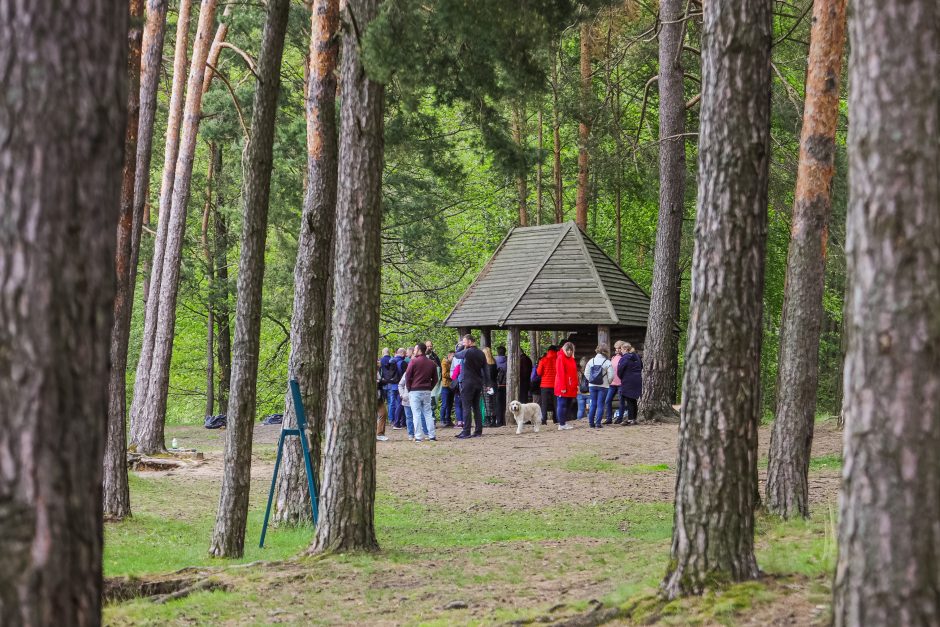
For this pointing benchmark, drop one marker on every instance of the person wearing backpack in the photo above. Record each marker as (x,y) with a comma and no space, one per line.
(630,370)
(584,390)
(391,370)
(599,373)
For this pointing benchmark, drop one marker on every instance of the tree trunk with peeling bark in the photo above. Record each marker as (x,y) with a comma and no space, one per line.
(347,505)
(791,439)
(556,143)
(170,152)
(713,530)
(116,494)
(660,358)
(60,190)
(228,537)
(584,129)
(223,342)
(310,323)
(889,535)
(150,438)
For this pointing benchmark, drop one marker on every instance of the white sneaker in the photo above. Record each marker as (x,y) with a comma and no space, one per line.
(568,427)
(411,438)
(561,427)
(418,440)
(382,438)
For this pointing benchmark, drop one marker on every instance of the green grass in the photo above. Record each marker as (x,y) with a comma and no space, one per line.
(833,461)
(590,462)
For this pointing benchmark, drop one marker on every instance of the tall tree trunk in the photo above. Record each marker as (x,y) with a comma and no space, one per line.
(661,347)
(216,50)
(215,166)
(347,510)
(556,142)
(713,530)
(889,539)
(310,323)
(522,191)
(60,190)
(539,198)
(174,118)
(153,412)
(228,537)
(221,307)
(584,128)
(791,439)
(117,500)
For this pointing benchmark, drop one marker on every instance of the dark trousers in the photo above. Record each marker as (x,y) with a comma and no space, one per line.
(565,408)
(548,404)
(471,397)
(612,391)
(447,403)
(628,405)
(501,405)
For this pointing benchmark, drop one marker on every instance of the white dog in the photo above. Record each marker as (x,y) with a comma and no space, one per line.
(528,411)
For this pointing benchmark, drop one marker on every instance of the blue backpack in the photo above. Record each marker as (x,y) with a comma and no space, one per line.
(596,373)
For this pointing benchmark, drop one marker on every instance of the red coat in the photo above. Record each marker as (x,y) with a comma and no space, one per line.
(546,369)
(566,376)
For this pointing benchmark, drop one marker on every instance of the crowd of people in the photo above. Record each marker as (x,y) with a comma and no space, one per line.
(416,389)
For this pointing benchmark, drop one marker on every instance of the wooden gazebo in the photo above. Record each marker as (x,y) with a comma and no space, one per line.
(551,278)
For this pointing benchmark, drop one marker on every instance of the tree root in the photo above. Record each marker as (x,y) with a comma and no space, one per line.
(119,589)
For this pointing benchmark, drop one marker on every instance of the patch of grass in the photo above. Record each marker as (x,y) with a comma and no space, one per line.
(494,481)
(589,462)
(832,461)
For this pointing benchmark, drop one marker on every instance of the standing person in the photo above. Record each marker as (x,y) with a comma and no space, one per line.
(599,373)
(566,385)
(584,390)
(501,371)
(391,375)
(546,370)
(406,408)
(630,370)
(471,381)
(455,366)
(381,408)
(421,378)
(489,389)
(447,393)
(436,393)
(525,377)
(614,389)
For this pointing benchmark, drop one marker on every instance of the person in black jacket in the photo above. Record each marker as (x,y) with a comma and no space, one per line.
(630,371)
(471,381)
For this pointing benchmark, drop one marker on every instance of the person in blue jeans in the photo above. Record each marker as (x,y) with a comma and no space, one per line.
(599,373)
(584,392)
(390,373)
(421,378)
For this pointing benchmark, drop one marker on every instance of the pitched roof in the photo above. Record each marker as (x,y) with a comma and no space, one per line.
(550,275)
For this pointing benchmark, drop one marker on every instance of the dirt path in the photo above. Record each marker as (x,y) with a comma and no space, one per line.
(526,471)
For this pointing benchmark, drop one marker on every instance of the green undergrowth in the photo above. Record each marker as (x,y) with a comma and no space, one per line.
(613,551)
(590,462)
(832,461)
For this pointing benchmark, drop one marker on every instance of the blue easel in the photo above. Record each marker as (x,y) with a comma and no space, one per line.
(301,432)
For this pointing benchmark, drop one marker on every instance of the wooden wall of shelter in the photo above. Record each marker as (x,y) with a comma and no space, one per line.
(552,278)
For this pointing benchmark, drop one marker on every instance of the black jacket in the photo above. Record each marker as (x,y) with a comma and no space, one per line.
(473,369)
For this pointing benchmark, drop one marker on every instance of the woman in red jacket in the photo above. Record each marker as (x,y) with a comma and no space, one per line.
(546,373)
(566,385)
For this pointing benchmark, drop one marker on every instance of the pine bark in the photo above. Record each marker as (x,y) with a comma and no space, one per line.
(60,193)
(584,129)
(522,190)
(223,342)
(310,323)
(660,359)
(208,251)
(347,509)
(556,144)
(539,196)
(791,438)
(170,152)
(713,532)
(228,537)
(117,499)
(152,417)
(889,526)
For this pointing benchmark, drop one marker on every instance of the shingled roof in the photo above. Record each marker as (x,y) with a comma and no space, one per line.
(552,276)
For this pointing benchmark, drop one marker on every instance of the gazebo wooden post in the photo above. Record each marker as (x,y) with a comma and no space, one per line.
(603,335)
(535,348)
(486,338)
(513,356)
